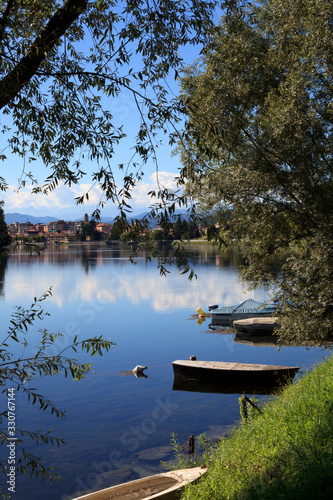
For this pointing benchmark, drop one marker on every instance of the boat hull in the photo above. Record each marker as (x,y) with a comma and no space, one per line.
(234,373)
(228,319)
(165,486)
(263,326)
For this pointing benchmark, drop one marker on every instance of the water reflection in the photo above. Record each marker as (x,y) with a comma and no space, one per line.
(192,385)
(3,267)
(113,423)
(108,276)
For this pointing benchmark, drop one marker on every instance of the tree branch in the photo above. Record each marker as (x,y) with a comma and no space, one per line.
(11,85)
(4,17)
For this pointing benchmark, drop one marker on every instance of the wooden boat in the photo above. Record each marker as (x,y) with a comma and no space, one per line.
(165,486)
(228,372)
(264,326)
(247,309)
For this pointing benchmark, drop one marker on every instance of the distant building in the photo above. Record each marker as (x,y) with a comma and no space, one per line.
(86,219)
(61,226)
(39,227)
(103,227)
(77,225)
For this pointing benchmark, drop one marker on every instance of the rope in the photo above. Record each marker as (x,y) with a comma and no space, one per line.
(154,366)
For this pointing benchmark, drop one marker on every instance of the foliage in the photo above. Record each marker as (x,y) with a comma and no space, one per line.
(203,455)
(115,234)
(285,452)
(257,148)
(180,230)
(18,371)
(89,229)
(66,65)
(185,230)
(4,236)
(158,235)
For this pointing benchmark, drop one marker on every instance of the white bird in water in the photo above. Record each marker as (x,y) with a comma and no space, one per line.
(139,369)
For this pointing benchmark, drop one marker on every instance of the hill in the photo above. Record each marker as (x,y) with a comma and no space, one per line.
(10,218)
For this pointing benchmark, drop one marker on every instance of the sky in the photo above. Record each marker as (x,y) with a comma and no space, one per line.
(61,202)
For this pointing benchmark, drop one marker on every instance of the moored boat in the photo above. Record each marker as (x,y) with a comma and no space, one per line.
(229,372)
(165,486)
(247,309)
(264,326)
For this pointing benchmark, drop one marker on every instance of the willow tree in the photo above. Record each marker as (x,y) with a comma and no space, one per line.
(258,149)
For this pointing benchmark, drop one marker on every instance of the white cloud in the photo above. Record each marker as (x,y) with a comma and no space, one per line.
(162,180)
(106,284)
(63,197)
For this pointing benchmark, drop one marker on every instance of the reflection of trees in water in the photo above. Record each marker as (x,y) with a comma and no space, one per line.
(211,255)
(197,254)
(90,255)
(3,267)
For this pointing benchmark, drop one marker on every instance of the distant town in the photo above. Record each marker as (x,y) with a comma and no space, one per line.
(57,231)
(61,231)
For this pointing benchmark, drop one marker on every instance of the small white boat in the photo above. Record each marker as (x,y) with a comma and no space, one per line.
(258,326)
(165,486)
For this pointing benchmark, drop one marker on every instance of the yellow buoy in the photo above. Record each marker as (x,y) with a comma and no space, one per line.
(201,313)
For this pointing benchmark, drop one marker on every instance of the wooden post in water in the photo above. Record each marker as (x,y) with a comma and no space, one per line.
(244,412)
(191,444)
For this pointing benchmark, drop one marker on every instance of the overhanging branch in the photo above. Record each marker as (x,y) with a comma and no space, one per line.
(26,68)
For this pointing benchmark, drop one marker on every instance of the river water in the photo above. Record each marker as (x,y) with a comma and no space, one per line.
(118,427)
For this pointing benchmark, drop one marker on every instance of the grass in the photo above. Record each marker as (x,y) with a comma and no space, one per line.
(286,452)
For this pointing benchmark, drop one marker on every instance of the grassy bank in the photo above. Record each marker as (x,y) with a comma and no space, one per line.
(284,453)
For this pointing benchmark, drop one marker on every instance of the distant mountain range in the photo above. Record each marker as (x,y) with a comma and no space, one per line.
(10,218)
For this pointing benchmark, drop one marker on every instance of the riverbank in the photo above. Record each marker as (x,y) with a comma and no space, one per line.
(284,452)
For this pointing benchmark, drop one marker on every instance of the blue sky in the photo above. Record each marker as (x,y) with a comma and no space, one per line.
(61,202)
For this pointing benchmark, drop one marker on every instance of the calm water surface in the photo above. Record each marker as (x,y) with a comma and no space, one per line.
(117,427)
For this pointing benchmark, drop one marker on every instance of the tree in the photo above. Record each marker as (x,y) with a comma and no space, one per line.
(114,234)
(17,372)
(89,229)
(4,236)
(64,64)
(258,145)
(156,235)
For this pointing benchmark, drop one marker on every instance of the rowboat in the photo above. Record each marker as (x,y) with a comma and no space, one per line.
(247,309)
(165,486)
(258,326)
(228,372)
